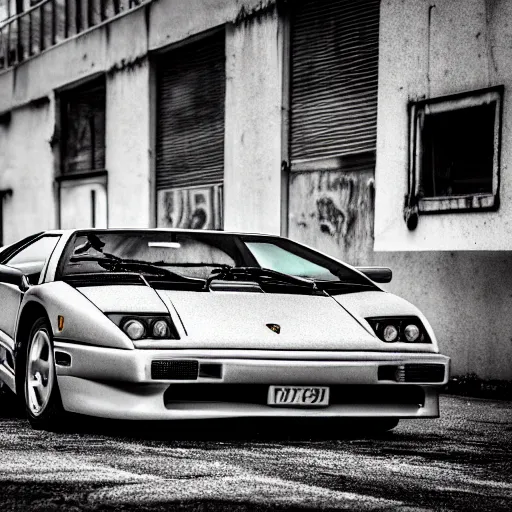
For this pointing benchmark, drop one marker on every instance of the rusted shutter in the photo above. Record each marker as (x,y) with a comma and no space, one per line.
(334,78)
(190,126)
(83,120)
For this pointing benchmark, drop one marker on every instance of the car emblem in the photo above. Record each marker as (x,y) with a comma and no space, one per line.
(275,328)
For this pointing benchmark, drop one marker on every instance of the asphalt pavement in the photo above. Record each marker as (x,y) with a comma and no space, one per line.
(461,461)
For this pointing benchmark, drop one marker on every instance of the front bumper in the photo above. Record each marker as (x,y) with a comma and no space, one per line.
(114,383)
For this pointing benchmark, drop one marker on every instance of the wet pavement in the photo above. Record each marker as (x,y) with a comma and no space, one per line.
(462,461)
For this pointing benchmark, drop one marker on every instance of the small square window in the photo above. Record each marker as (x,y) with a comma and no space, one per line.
(455,144)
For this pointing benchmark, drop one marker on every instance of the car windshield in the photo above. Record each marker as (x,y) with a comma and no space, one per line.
(175,255)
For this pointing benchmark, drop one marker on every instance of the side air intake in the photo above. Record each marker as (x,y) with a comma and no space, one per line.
(421,372)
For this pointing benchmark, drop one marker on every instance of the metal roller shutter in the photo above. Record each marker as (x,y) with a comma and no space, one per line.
(334,78)
(190,126)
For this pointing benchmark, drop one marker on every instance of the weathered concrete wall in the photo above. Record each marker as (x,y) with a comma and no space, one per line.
(26,167)
(114,44)
(27,163)
(128,146)
(120,49)
(174,20)
(252,187)
(430,49)
(467,297)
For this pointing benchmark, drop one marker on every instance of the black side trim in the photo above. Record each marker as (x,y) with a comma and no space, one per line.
(84,343)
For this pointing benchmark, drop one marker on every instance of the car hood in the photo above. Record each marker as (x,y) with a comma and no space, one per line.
(241,320)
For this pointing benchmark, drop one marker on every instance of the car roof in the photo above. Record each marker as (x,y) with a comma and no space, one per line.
(156,230)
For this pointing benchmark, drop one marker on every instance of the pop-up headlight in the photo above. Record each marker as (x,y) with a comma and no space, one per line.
(134,328)
(407,329)
(145,327)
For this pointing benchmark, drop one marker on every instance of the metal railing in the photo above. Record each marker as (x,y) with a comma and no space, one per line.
(52,21)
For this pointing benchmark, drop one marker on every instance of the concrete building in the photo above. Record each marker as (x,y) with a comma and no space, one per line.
(377,131)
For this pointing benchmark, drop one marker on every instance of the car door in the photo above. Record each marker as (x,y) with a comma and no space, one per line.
(30,260)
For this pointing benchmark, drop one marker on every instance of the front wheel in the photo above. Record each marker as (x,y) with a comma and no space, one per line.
(42,397)
(379,425)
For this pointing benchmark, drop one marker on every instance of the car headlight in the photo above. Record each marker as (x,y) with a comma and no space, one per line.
(390,333)
(407,329)
(134,328)
(145,327)
(412,333)
(160,329)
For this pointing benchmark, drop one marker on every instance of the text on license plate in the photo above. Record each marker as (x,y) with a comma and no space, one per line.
(298,396)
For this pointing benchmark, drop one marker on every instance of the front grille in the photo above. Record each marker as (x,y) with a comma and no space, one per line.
(257,394)
(423,372)
(174,369)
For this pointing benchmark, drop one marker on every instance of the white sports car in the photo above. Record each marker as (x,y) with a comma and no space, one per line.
(172,324)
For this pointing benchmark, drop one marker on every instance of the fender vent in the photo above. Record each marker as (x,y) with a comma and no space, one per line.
(104,279)
(62,358)
(174,369)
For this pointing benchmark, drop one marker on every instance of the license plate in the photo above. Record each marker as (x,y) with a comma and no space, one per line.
(298,396)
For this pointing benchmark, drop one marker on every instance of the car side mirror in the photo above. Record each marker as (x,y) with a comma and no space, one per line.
(14,276)
(377,274)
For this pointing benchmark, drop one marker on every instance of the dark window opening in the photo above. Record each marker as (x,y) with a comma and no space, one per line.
(83,124)
(458,151)
(455,152)
(3,194)
(1,221)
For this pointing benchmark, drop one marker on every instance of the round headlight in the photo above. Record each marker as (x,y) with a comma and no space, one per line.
(390,333)
(412,332)
(161,329)
(134,329)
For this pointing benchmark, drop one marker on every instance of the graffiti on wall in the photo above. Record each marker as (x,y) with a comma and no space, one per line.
(190,208)
(333,211)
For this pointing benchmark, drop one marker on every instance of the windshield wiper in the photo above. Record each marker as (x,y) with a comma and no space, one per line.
(191,265)
(262,275)
(115,263)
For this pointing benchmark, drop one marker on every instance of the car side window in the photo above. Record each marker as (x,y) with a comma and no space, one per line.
(32,258)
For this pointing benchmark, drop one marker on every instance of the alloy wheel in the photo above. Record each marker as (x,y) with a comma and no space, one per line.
(40,372)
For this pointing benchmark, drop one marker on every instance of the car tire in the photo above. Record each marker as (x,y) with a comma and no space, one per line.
(41,393)
(354,427)
(382,424)
(9,404)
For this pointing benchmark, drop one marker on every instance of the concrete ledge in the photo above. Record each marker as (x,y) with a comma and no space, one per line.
(473,386)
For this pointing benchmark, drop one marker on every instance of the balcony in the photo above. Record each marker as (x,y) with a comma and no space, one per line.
(52,21)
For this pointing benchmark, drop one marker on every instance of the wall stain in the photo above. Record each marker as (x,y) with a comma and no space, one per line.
(263,9)
(490,8)
(334,210)
(126,64)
